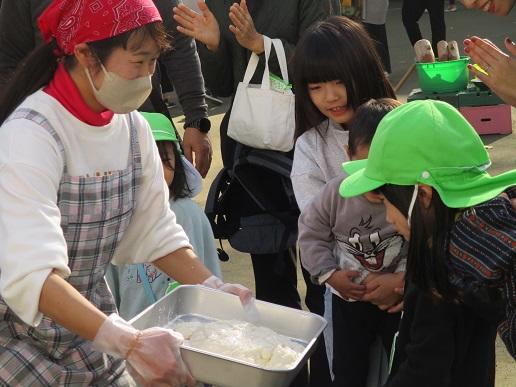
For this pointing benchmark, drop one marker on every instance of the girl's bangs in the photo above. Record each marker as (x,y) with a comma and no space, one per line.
(320,64)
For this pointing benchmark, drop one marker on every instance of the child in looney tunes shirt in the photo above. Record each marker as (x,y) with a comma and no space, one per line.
(349,245)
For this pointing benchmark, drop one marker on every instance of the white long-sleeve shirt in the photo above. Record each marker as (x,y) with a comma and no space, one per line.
(32,244)
(318,156)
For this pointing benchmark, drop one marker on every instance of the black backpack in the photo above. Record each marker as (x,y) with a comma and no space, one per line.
(252,205)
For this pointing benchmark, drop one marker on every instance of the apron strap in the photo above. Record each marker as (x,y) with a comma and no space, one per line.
(39,119)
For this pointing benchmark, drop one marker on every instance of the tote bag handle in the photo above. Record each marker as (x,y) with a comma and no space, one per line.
(253,62)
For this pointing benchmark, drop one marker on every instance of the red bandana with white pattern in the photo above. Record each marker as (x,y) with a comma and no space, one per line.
(71,22)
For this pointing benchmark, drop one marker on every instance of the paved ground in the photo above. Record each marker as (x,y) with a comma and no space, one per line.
(460,24)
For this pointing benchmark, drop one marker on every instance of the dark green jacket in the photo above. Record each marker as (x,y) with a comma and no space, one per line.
(284,19)
(443,344)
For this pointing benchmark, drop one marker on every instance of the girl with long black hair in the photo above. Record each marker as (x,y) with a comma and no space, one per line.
(430,166)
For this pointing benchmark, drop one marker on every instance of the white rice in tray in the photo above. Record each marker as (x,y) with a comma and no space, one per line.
(239,340)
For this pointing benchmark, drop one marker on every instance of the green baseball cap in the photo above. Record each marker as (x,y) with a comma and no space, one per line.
(161,126)
(428,142)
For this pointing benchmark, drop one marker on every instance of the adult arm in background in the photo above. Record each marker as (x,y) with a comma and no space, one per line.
(309,11)
(215,51)
(18,33)
(499,66)
(184,71)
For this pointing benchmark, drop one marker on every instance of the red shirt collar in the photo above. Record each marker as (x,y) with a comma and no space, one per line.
(63,88)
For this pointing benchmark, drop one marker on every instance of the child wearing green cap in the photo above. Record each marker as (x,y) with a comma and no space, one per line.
(137,286)
(430,167)
(348,245)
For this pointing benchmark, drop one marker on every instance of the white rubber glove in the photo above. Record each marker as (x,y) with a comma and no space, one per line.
(241,291)
(152,354)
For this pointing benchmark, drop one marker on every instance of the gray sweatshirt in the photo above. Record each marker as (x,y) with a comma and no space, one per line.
(351,234)
(318,155)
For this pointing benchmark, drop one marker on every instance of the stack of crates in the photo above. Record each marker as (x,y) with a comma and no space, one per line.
(451,98)
(484,110)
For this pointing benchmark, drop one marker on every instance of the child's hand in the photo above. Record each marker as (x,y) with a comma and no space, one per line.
(342,281)
(381,290)
(370,277)
(399,306)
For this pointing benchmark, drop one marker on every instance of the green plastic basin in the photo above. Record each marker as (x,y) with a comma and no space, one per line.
(443,77)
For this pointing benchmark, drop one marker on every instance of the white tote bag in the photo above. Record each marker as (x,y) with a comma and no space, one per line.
(262,117)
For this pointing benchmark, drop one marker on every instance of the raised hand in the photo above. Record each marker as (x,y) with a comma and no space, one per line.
(243,28)
(202,27)
(499,66)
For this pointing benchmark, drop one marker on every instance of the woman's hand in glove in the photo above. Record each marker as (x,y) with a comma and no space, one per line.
(239,290)
(152,355)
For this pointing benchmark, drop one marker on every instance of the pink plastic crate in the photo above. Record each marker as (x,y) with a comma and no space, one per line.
(494,119)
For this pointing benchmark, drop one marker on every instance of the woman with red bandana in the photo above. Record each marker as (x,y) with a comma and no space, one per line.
(81,185)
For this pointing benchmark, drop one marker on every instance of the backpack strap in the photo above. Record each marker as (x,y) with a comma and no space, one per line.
(277,163)
(210,208)
(239,179)
(274,161)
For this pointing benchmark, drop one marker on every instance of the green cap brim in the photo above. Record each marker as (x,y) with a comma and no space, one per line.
(350,167)
(357,184)
(162,135)
(470,191)
(455,192)
(161,126)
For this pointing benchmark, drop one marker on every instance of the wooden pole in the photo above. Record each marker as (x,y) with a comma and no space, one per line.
(404,78)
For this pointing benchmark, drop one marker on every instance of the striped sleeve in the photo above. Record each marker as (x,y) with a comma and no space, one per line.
(507,329)
(483,252)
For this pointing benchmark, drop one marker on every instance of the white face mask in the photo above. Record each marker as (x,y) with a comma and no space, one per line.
(121,95)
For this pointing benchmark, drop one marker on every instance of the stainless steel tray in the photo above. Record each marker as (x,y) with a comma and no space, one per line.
(220,370)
